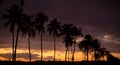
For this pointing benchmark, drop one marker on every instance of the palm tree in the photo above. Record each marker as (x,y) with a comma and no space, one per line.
(28,30)
(66,32)
(75,33)
(101,52)
(54,29)
(40,20)
(68,40)
(85,45)
(19,11)
(96,46)
(13,16)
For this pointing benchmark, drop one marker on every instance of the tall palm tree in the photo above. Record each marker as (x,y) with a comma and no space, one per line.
(54,29)
(13,16)
(40,21)
(19,25)
(66,32)
(68,40)
(95,46)
(75,33)
(28,30)
(85,45)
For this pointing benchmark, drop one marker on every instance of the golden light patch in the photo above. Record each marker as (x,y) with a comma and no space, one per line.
(21,59)
(79,56)
(60,55)
(79,39)
(5,50)
(116,55)
(2,58)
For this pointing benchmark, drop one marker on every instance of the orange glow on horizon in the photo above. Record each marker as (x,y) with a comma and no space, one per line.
(2,58)
(48,55)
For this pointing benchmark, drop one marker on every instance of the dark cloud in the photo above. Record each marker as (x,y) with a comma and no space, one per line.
(20,55)
(97,17)
(112,46)
(26,56)
(8,55)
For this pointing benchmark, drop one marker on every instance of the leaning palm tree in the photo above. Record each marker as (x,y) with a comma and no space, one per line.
(28,30)
(75,33)
(54,29)
(85,45)
(13,16)
(40,21)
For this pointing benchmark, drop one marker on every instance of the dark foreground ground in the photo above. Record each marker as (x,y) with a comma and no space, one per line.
(61,63)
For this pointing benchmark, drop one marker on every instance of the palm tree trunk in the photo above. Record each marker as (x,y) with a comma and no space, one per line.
(54,47)
(29,48)
(66,53)
(16,43)
(13,46)
(73,53)
(41,48)
(95,55)
(87,54)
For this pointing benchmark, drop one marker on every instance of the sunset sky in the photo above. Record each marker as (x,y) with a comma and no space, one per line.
(100,18)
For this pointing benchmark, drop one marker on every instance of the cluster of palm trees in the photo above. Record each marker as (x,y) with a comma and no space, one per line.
(92,46)
(28,26)
(69,33)
(14,18)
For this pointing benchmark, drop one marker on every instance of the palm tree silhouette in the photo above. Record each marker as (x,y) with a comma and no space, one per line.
(95,46)
(75,33)
(85,45)
(28,30)
(101,52)
(14,16)
(54,29)
(68,40)
(66,32)
(40,20)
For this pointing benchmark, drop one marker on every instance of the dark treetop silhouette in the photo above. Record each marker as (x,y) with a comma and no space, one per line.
(54,29)
(40,21)
(14,17)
